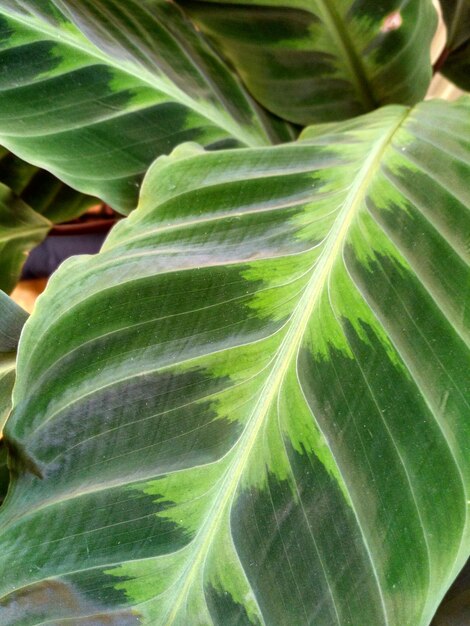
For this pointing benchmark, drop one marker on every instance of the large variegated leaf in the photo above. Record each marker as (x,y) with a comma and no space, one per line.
(31,199)
(12,319)
(94,90)
(322,60)
(455,61)
(252,406)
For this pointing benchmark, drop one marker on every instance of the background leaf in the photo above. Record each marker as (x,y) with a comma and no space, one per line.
(21,229)
(41,190)
(94,90)
(456,60)
(4,472)
(12,319)
(311,61)
(267,420)
(455,607)
(23,186)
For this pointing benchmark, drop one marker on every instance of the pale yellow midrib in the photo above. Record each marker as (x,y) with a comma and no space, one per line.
(286,353)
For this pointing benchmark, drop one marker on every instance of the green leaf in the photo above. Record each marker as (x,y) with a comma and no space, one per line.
(22,228)
(4,472)
(455,607)
(7,380)
(12,319)
(324,60)
(41,190)
(251,407)
(95,90)
(456,59)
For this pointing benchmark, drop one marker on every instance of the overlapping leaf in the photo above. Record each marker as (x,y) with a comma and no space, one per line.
(4,472)
(456,59)
(31,199)
(12,319)
(21,229)
(267,421)
(41,190)
(455,608)
(323,60)
(94,90)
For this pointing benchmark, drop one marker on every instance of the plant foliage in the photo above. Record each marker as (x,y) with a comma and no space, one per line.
(96,89)
(31,201)
(456,55)
(325,60)
(251,407)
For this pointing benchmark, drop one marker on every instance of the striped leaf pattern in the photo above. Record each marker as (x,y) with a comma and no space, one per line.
(95,90)
(324,60)
(456,60)
(251,408)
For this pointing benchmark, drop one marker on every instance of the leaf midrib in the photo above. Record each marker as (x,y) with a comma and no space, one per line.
(285,356)
(20,233)
(351,59)
(161,83)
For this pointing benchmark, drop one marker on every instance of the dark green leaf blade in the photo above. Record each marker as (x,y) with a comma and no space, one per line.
(95,90)
(31,200)
(267,421)
(4,473)
(12,320)
(456,57)
(21,229)
(455,607)
(41,190)
(324,60)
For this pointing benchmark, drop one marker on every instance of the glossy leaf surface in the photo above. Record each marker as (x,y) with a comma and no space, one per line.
(457,60)
(252,406)
(324,60)
(95,90)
